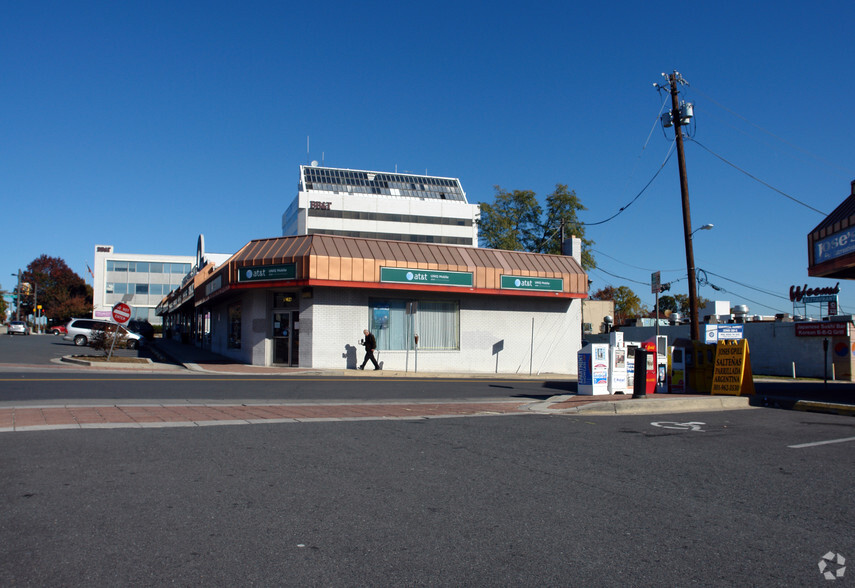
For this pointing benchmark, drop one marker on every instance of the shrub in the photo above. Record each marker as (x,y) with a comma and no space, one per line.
(103,340)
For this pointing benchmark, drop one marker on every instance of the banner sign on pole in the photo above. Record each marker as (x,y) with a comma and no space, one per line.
(732,373)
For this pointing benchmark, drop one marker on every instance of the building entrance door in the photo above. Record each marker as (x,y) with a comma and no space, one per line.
(285,339)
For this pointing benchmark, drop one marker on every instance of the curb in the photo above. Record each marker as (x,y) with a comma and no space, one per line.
(825,407)
(118,365)
(661,406)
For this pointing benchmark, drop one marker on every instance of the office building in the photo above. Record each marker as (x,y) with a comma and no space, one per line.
(381,205)
(140,280)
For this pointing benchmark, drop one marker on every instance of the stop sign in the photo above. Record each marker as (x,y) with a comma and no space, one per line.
(121,312)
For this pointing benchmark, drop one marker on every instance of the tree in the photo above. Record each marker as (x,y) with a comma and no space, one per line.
(668,302)
(683,302)
(61,293)
(517,222)
(627,303)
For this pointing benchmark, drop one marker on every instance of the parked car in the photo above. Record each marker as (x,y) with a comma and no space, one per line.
(143,328)
(57,330)
(80,332)
(18,328)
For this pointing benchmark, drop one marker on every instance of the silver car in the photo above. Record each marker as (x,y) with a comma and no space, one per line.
(18,328)
(80,332)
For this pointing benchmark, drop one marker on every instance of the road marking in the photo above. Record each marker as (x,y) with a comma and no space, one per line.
(690,426)
(816,443)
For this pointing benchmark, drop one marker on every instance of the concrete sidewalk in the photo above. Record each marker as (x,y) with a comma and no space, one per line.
(172,355)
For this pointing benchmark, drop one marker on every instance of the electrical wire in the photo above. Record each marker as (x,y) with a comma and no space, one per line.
(637,196)
(762,291)
(756,179)
(599,269)
(635,266)
(771,134)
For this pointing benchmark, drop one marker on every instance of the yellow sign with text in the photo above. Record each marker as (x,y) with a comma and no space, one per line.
(732,374)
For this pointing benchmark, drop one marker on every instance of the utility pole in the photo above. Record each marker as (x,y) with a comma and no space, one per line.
(18,303)
(677,118)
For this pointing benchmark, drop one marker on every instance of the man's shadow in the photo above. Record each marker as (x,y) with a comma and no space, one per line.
(349,356)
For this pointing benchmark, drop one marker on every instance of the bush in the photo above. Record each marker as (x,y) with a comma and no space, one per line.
(103,340)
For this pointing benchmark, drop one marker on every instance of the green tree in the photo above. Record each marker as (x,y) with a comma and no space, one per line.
(627,303)
(517,222)
(683,303)
(668,302)
(61,293)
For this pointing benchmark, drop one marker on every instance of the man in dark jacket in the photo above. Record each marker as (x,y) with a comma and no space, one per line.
(370,345)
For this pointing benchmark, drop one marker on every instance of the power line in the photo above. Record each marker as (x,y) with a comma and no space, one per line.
(635,266)
(637,196)
(771,134)
(767,292)
(756,179)
(599,269)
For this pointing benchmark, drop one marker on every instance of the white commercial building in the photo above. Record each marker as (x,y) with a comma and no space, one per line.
(381,205)
(303,301)
(140,280)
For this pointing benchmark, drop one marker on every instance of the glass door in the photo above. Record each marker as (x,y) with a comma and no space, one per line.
(282,338)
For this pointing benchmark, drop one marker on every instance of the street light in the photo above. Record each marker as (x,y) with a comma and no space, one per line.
(18,296)
(706,227)
(693,288)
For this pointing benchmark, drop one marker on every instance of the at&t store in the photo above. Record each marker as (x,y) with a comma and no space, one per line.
(304,301)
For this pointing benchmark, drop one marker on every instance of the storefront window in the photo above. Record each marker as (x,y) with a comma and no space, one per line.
(234,326)
(437,323)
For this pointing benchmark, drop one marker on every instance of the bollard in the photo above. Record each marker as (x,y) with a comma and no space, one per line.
(639,379)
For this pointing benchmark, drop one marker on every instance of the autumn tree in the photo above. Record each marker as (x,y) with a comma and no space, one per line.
(61,293)
(516,221)
(627,303)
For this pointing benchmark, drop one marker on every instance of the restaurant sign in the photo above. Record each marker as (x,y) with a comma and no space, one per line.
(398,275)
(822,329)
(805,294)
(530,283)
(835,246)
(266,273)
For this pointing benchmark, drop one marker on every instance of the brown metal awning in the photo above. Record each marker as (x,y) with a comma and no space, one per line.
(337,261)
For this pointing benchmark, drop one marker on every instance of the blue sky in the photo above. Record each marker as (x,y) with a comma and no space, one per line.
(144,124)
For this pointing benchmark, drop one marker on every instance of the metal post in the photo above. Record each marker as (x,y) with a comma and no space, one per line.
(18,305)
(531,353)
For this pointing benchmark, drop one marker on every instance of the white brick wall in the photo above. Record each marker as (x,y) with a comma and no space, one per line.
(340,315)
(331,324)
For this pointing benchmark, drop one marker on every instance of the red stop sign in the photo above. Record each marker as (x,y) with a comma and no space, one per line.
(121,312)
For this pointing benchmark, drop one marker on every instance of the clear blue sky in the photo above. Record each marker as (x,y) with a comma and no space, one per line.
(143,124)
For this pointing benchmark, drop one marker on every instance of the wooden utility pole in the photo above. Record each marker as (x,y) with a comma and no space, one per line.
(695,330)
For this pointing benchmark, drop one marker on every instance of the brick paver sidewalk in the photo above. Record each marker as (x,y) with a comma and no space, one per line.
(117,416)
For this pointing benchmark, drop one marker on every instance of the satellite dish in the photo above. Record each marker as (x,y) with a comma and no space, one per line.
(314,163)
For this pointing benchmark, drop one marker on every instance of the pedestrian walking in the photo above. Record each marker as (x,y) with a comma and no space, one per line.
(370,344)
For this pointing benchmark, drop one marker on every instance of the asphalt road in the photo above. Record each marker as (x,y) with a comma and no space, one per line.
(708,499)
(27,375)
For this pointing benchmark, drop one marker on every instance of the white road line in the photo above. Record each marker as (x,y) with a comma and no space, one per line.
(830,441)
